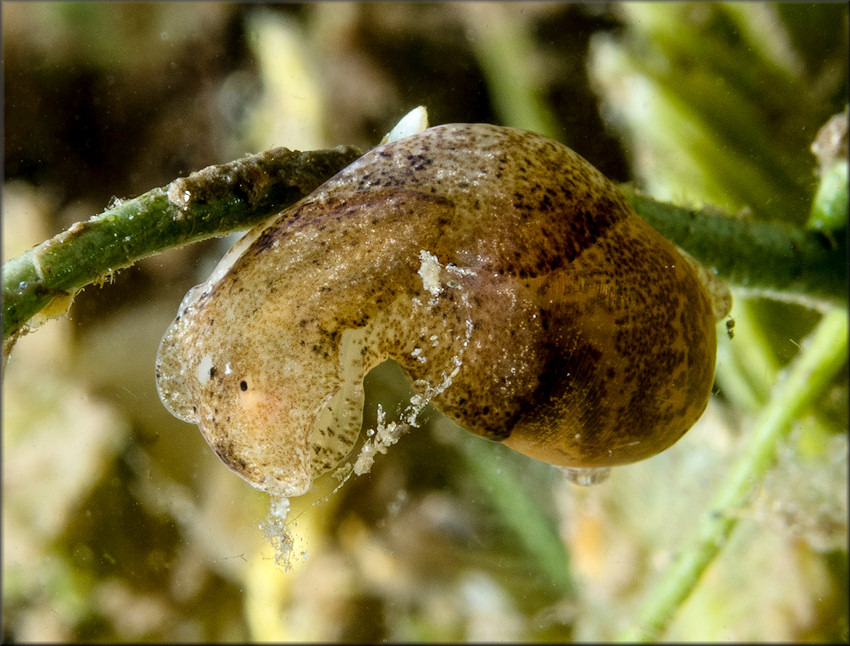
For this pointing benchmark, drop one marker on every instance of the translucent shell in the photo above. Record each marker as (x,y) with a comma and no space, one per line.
(518,291)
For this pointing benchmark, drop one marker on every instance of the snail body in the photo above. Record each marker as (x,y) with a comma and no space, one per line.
(514,286)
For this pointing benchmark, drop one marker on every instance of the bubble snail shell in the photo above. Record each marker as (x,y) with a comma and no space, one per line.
(504,274)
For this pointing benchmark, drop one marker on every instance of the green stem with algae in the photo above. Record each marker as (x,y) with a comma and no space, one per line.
(770,258)
(212,202)
(778,259)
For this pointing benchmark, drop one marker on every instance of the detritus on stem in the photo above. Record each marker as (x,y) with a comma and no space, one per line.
(774,259)
(212,202)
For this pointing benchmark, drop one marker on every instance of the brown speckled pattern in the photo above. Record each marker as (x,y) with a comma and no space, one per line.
(583,337)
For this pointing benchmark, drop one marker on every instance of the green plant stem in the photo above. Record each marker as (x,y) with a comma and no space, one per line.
(824,353)
(212,202)
(776,259)
(767,258)
(829,208)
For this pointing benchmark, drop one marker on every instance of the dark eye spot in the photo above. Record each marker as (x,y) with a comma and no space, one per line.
(212,372)
(243,385)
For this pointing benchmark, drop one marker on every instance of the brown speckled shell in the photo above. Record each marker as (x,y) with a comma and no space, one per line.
(583,337)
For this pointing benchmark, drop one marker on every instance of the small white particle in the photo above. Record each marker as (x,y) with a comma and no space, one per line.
(429,271)
(204,369)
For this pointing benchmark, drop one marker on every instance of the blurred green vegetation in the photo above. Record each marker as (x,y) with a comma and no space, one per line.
(119,524)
